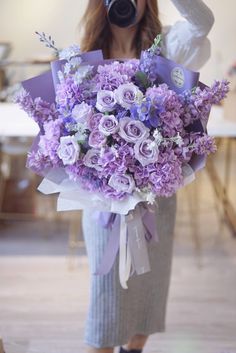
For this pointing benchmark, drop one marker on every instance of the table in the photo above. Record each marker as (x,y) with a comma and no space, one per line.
(222,128)
(14,122)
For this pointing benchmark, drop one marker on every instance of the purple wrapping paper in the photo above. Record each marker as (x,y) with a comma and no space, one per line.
(44,85)
(176,76)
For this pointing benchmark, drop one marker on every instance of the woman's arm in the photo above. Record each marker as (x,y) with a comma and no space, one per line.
(186,41)
(198,14)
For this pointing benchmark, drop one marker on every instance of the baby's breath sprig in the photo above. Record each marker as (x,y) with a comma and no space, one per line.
(48,41)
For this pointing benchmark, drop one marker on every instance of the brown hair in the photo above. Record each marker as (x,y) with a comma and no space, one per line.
(97,33)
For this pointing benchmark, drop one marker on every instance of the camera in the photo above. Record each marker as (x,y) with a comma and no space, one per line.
(121,12)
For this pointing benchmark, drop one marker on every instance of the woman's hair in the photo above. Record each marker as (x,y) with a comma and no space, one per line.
(97,32)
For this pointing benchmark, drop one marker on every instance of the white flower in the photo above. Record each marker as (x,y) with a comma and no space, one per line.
(150,198)
(114,151)
(157,136)
(81,73)
(72,64)
(60,76)
(152,145)
(81,133)
(178,140)
(138,97)
(70,52)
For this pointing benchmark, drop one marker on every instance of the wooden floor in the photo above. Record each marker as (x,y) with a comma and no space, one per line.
(43,302)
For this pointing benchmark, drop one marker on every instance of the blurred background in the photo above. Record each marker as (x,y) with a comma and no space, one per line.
(44,274)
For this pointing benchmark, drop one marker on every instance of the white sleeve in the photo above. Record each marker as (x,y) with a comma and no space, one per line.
(186,41)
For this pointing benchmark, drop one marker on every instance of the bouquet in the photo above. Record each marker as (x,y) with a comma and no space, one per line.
(116,135)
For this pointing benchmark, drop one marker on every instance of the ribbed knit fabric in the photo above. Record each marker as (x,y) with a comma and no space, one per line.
(116,314)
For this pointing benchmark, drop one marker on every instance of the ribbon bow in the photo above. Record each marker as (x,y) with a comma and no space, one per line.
(129,235)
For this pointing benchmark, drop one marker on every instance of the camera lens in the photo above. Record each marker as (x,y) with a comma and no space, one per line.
(122,12)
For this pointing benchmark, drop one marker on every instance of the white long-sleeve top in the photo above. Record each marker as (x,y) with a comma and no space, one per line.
(186,41)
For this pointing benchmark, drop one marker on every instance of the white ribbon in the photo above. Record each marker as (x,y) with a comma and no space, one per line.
(124,254)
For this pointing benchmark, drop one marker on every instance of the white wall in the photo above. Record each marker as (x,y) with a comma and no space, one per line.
(20,18)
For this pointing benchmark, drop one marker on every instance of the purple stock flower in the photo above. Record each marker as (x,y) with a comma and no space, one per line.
(204,145)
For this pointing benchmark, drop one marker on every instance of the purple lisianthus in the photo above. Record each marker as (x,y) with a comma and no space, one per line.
(91,159)
(94,120)
(82,112)
(68,150)
(122,182)
(105,101)
(108,125)
(126,95)
(146,151)
(132,130)
(96,139)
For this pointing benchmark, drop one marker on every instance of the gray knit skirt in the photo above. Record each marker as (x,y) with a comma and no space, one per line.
(116,314)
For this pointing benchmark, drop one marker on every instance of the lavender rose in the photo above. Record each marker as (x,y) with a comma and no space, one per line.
(82,112)
(91,159)
(132,130)
(108,125)
(94,120)
(68,150)
(146,151)
(96,139)
(122,183)
(127,94)
(105,101)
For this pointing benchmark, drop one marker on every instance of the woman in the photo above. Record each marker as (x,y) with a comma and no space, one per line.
(119,317)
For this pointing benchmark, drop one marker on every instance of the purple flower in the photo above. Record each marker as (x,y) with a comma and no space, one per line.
(37,161)
(132,130)
(68,150)
(96,139)
(126,94)
(48,147)
(108,125)
(167,178)
(91,159)
(122,182)
(204,145)
(94,120)
(146,151)
(82,112)
(105,101)
(52,128)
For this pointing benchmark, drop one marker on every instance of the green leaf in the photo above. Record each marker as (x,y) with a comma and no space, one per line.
(142,78)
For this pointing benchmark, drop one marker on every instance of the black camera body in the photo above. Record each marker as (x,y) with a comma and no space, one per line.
(122,13)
